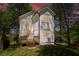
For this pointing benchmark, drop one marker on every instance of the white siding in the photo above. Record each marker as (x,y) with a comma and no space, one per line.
(46,18)
(36,25)
(42,25)
(25,25)
(36,28)
(23,29)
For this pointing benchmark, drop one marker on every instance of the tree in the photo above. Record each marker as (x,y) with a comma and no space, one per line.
(9,19)
(62,11)
(58,11)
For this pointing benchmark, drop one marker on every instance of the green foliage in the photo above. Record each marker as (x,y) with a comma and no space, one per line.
(74,32)
(57,9)
(43,51)
(62,11)
(9,19)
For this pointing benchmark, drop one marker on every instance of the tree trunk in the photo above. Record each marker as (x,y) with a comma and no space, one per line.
(1,41)
(67,23)
(61,29)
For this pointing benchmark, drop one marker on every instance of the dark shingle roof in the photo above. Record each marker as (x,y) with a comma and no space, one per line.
(26,14)
(42,11)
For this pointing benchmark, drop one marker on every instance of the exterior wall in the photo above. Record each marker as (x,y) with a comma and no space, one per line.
(36,25)
(23,29)
(25,25)
(36,28)
(46,29)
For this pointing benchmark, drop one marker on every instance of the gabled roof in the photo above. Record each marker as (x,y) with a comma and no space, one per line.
(35,18)
(26,14)
(42,11)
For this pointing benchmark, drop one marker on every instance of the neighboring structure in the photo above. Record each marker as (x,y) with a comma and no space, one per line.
(37,27)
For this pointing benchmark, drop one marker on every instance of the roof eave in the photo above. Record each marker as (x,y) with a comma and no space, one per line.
(26,14)
(48,9)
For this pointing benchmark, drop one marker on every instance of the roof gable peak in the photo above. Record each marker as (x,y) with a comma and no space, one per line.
(42,11)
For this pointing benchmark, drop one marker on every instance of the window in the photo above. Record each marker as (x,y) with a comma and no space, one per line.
(45,25)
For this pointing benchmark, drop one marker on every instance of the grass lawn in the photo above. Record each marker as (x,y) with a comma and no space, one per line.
(40,51)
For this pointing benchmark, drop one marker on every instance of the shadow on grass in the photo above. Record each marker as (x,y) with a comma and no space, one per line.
(58,51)
(9,50)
